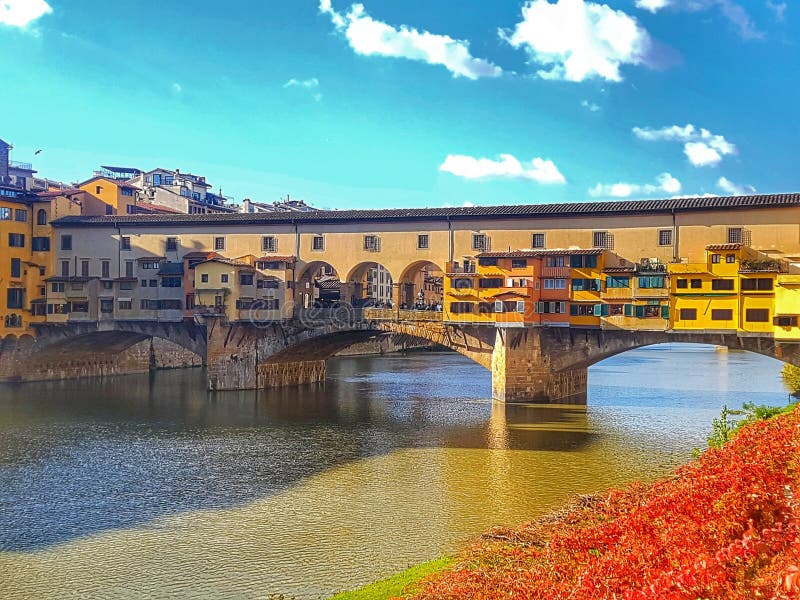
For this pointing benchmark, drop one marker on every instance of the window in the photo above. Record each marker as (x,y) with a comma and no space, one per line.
(21,215)
(268,284)
(65,268)
(5,214)
(66,242)
(537,240)
(151,265)
(460,307)
(79,307)
(204,278)
(423,241)
(40,244)
(722,284)
(688,314)
(730,258)
(371,243)
(519,263)
(551,307)
(170,282)
(579,261)
(318,243)
(602,239)
(16,240)
(246,279)
(655,282)
(585,310)
(721,314)
(785,321)
(41,217)
(84,268)
(223,278)
(272,304)
(128,268)
(57,287)
(492,282)
(735,235)
(126,285)
(757,315)
(586,285)
(269,243)
(157,179)
(696,284)
(153,283)
(108,285)
(665,237)
(124,305)
(479,241)
(126,191)
(16,267)
(487,262)
(715,258)
(555,284)
(555,261)
(172,244)
(763,284)
(15,297)
(169,305)
(461,283)
(105,269)
(618,282)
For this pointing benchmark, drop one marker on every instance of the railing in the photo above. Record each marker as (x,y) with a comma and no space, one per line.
(203,310)
(21,165)
(404,314)
(651,268)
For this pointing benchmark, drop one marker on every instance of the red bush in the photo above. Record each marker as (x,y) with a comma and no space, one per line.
(724,526)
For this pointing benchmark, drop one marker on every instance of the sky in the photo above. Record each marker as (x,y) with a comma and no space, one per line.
(411,104)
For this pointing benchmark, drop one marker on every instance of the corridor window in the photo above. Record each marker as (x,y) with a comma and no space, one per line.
(219,243)
(318,243)
(479,241)
(722,314)
(371,243)
(734,235)
(665,237)
(172,244)
(688,314)
(537,240)
(423,241)
(269,243)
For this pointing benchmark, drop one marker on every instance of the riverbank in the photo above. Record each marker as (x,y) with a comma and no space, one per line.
(726,525)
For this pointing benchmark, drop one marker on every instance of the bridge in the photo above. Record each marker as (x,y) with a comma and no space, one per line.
(530,364)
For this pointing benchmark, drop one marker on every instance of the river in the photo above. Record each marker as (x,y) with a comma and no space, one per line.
(150,486)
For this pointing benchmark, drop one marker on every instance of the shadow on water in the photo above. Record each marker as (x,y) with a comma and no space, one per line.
(79,457)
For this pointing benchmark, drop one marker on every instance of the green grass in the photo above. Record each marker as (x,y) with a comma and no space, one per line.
(396,584)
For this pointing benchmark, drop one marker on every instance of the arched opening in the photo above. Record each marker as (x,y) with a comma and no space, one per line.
(421,286)
(318,286)
(41,217)
(370,284)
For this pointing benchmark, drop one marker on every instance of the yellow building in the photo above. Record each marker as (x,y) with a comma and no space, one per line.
(786,320)
(117,195)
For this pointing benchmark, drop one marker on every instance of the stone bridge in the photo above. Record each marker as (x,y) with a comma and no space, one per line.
(527,364)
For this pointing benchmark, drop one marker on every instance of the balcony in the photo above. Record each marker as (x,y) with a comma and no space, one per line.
(14,164)
(209,311)
(762,266)
(651,269)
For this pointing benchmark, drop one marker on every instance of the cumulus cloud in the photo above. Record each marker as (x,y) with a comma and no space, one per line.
(590,106)
(312,85)
(701,147)
(734,12)
(665,183)
(506,166)
(369,37)
(20,13)
(574,40)
(727,186)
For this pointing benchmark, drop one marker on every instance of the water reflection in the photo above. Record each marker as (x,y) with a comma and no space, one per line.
(149,485)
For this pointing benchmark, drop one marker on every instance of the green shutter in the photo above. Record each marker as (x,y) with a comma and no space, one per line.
(644,282)
(657,282)
(628,310)
(599,283)
(606,310)
(665,311)
(598,310)
(573,310)
(639,312)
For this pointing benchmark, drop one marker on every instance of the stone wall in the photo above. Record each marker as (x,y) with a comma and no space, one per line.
(388,344)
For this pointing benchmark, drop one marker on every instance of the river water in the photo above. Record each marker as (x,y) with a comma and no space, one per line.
(149,486)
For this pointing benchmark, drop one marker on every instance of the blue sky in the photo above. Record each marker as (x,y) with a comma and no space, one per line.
(414,103)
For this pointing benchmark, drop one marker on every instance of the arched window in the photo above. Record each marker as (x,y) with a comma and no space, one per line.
(41,217)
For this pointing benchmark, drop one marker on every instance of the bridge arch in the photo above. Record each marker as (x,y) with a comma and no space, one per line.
(317,283)
(370,283)
(421,282)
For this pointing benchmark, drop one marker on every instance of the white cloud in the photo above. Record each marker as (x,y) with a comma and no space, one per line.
(701,147)
(727,186)
(590,106)
(507,166)
(368,37)
(176,88)
(308,84)
(576,40)
(665,183)
(735,13)
(779,8)
(19,13)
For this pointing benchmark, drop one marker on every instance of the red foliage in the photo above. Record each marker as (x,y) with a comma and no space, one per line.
(724,526)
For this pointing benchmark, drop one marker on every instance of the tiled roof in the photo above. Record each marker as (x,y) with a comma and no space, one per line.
(227,261)
(539,253)
(286,259)
(625,207)
(57,193)
(156,208)
(204,254)
(724,246)
(623,269)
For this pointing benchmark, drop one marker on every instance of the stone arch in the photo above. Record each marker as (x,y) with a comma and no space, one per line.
(370,283)
(317,283)
(421,282)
